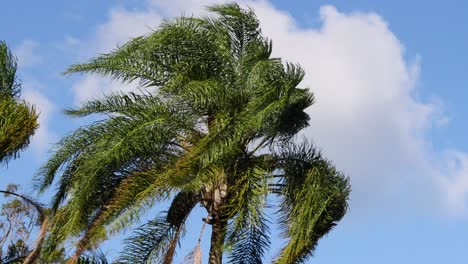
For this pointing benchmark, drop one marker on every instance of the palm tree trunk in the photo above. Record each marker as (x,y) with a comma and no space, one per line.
(34,254)
(172,247)
(217,241)
(215,199)
(76,256)
(42,219)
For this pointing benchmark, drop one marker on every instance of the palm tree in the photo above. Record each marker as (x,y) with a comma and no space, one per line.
(18,120)
(214,124)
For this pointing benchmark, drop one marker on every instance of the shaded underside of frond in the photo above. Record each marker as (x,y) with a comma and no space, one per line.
(156,241)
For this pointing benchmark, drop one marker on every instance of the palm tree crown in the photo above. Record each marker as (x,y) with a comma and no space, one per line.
(213,124)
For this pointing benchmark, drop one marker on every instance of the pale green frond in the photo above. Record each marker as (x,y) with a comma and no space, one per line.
(241,25)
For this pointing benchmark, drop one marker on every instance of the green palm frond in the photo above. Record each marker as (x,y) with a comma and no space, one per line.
(149,242)
(249,232)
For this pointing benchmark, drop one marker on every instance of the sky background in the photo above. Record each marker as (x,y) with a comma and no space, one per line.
(390,82)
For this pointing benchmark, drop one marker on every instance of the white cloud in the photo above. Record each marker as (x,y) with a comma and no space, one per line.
(367,118)
(123,25)
(27,55)
(44,137)
(180,7)
(456,184)
(93,86)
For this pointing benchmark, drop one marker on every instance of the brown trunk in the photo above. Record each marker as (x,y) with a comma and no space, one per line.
(74,259)
(34,254)
(172,247)
(218,222)
(217,241)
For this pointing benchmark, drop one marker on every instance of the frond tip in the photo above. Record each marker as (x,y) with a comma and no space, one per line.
(315,199)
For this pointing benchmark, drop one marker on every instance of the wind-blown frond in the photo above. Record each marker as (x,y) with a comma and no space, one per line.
(249,232)
(315,199)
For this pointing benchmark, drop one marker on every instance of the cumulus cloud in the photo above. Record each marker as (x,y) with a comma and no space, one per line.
(367,119)
(122,26)
(27,54)
(93,86)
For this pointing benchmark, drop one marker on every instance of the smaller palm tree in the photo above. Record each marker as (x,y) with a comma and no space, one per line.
(18,119)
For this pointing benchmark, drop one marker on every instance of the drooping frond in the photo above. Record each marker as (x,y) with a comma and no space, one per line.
(315,198)
(127,63)
(156,241)
(149,242)
(102,165)
(249,233)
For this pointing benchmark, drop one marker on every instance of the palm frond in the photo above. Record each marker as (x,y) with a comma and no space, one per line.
(155,241)
(315,198)
(249,232)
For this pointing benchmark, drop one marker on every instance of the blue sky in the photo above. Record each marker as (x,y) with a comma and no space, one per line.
(390,82)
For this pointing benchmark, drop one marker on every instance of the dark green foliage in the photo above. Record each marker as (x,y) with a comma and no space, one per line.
(94,257)
(213,124)
(9,85)
(149,242)
(16,253)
